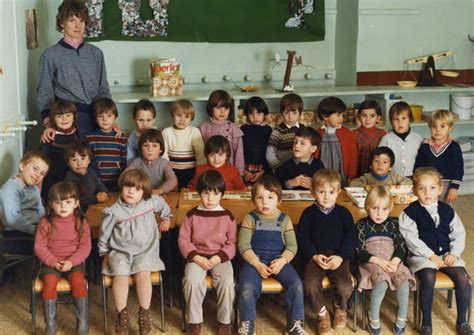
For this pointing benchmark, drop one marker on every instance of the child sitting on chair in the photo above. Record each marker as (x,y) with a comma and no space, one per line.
(382,160)
(207,240)
(326,239)
(267,243)
(130,243)
(62,244)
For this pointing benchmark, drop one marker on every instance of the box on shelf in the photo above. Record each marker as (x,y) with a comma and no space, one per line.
(165,79)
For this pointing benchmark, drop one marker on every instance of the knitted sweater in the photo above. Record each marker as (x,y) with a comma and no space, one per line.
(291,168)
(231,132)
(185,147)
(64,243)
(88,185)
(367,140)
(348,144)
(208,233)
(405,151)
(159,171)
(392,178)
(247,229)
(319,232)
(255,143)
(231,175)
(280,144)
(77,75)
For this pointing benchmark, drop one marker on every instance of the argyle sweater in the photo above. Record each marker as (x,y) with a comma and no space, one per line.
(280,144)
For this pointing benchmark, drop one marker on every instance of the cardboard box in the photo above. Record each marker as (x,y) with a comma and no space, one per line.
(164,67)
(166,80)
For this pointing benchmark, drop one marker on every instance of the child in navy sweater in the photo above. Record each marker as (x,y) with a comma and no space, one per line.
(326,240)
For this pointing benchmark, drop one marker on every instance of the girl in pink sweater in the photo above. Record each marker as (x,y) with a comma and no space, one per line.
(207,239)
(62,244)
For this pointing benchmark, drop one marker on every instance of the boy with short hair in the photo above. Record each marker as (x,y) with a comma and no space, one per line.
(109,150)
(144,116)
(296,173)
(78,157)
(367,135)
(282,136)
(326,239)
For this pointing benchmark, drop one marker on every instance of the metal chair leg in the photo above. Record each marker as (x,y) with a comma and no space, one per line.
(33,311)
(364,309)
(104,304)
(354,310)
(450,298)
(163,325)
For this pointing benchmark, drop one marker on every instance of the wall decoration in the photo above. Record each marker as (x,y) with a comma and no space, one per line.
(229,21)
(30,28)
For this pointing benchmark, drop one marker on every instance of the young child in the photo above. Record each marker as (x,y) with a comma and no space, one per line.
(21,199)
(219,105)
(256,134)
(62,244)
(217,151)
(207,240)
(129,241)
(78,156)
(338,149)
(435,237)
(381,250)
(442,153)
(110,150)
(152,145)
(296,173)
(267,243)
(326,239)
(144,116)
(63,119)
(183,142)
(282,136)
(367,135)
(402,140)
(382,160)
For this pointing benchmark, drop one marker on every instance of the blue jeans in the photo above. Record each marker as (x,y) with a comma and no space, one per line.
(250,288)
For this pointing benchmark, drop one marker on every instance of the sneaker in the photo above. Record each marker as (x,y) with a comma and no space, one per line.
(195,328)
(324,324)
(224,329)
(426,330)
(247,328)
(295,328)
(463,329)
(340,319)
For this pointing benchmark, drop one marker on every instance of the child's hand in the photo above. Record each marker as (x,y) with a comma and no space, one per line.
(67,265)
(105,258)
(58,266)
(118,131)
(102,196)
(294,182)
(386,266)
(215,260)
(394,264)
(305,182)
(165,225)
(248,176)
(452,195)
(334,261)
(450,259)
(203,262)
(322,261)
(277,264)
(438,261)
(158,191)
(48,135)
(263,270)
(258,174)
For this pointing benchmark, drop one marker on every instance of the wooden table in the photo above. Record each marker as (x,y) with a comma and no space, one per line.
(94,212)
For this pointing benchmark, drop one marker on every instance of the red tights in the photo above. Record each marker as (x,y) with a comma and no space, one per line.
(76,279)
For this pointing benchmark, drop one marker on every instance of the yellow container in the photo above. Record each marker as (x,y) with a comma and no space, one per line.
(417,112)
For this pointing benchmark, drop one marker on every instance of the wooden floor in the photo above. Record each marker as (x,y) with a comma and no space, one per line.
(15,317)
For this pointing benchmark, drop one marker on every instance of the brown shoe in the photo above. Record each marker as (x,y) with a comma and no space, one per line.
(340,319)
(195,328)
(224,329)
(121,322)
(324,324)
(144,321)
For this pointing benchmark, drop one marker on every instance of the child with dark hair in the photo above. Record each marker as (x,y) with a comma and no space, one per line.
(296,173)
(144,116)
(282,136)
(267,243)
(217,151)
(62,244)
(219,106)
(152,145)
(382,160)
(109,149)
(338,149)
(402,140)
(78,156)
(367,135)
(207,240)
(256,134)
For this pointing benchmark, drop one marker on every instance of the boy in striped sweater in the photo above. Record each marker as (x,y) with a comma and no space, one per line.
(110,150)
(183,142)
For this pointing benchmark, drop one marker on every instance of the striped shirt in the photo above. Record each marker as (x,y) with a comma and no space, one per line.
(185,147)
(77,75)
(110,154)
